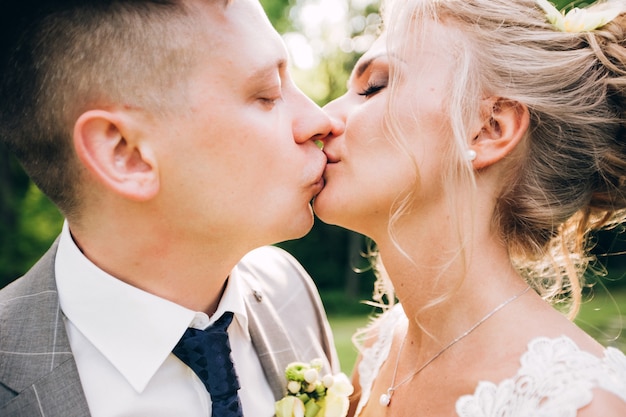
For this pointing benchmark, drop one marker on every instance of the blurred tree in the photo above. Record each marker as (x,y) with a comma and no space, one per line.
(278,12)
(28,221)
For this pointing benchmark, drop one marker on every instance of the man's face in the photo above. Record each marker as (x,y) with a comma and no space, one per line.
(239,162)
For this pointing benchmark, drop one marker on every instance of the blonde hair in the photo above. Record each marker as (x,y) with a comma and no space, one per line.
(569,175)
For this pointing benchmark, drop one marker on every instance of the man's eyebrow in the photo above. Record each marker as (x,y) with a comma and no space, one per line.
(268,69)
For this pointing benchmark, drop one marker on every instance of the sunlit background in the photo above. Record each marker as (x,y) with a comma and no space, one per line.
(324,37)
(325,25)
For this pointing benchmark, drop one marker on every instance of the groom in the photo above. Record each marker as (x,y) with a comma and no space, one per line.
(172,138)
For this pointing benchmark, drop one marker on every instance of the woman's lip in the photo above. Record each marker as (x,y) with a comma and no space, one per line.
(331,157)
(329,168)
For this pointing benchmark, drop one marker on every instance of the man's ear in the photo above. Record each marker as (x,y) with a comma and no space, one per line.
(111,146)
(504,124)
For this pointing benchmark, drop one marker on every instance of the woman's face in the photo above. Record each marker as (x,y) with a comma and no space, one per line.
(367,171)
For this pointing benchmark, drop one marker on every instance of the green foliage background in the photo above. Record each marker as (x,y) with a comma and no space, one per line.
(29,222)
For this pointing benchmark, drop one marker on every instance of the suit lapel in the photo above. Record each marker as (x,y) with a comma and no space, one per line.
(57,394)
(271,343)
(37,363)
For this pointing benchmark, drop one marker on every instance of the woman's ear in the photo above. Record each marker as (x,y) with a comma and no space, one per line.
(111,147)
(504,124)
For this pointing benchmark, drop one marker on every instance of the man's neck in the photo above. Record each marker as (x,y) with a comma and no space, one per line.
(188,274)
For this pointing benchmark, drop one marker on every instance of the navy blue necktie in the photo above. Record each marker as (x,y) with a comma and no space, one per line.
(207,353)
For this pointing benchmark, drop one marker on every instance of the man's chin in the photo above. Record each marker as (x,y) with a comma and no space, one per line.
(297,228)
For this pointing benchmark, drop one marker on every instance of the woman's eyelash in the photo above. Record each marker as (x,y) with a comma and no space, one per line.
(372,89)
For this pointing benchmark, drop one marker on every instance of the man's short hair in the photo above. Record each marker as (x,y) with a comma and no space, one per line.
(60,58)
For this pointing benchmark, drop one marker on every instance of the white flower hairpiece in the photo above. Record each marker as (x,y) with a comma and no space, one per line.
(310,396)
(580,20)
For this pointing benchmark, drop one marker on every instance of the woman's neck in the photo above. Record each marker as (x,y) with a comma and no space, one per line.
(445,291)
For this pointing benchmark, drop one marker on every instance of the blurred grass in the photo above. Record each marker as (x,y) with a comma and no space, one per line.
(343,329)
(602,315)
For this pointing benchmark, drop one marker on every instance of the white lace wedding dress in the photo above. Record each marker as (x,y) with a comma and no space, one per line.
(555,378)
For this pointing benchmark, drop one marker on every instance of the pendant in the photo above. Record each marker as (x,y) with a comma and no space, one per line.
(385,399)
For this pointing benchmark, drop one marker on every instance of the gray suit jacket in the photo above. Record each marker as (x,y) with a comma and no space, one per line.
(38,375)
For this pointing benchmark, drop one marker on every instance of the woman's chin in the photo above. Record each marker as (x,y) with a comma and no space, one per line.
(324,211)
(328,211)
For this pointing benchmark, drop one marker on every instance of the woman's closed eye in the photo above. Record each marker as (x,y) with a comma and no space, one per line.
(372,89)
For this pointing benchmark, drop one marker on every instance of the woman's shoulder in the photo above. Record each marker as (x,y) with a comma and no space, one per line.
(555,377)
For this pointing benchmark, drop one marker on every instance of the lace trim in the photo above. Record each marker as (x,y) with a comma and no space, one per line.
(555,378)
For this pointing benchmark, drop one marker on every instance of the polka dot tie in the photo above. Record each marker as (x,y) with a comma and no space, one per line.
(207,353)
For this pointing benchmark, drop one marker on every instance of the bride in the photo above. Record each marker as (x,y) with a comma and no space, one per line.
(478,144)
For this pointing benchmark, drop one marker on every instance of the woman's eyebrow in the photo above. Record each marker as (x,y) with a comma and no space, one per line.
(364,65)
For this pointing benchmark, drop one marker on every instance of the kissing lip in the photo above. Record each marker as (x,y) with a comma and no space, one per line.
(331,158)
(318,182)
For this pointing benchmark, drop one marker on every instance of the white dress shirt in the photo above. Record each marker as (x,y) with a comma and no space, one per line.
(122,339)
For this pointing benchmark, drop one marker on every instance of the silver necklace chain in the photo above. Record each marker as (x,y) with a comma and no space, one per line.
(385,399)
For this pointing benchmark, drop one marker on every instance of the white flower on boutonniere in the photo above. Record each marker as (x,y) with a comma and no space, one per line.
(581,20)
(308,395)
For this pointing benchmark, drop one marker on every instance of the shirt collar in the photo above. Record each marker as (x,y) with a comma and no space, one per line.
(133,329)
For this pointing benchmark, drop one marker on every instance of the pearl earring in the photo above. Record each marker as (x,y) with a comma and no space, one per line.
(471,155)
